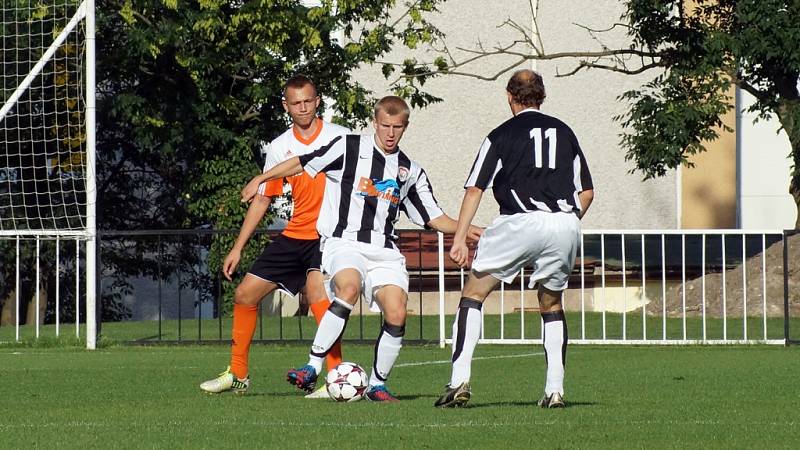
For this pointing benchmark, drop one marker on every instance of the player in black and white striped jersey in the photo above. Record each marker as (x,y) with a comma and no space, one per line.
(541,181)
(369,180)
(366,189)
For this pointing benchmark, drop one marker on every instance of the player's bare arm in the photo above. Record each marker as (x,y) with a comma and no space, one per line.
(285,169)
(447,224)
(585,198)
(255,213)
(459,252)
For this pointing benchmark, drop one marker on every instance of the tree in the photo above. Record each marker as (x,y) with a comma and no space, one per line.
(188,90)
(697,49)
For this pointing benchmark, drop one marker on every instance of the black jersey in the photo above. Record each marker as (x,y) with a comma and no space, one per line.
(532,162)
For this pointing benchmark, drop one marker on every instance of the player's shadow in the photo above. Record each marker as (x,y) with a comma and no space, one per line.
(416,396)
(527,404)
(277,394)
(412,396)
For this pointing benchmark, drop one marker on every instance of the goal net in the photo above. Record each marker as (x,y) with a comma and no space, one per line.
(47,183)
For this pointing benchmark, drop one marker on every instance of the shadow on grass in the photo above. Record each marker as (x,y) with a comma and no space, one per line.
(415,396)
(286,393)
(147,338)
(299,394)
(527,404)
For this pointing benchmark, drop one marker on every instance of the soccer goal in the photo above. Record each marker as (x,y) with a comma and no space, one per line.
(47,169)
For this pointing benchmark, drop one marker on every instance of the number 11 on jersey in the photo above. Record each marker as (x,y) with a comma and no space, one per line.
(550,135)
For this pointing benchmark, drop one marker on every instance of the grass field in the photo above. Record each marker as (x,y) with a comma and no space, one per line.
(618,397)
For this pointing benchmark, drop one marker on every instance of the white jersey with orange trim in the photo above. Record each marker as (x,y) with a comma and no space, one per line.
(307,192)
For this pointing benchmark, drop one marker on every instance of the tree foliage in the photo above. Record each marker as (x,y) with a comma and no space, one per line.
(189,89)
(698,50)
(706,47)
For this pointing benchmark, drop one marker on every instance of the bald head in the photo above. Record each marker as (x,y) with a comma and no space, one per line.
(526,88)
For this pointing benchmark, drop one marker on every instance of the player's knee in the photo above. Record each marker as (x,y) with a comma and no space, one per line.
(348,291)
(243,296)
(316,295)
(549,300)
(473,293)
(549,306)
(479,285)
(395,316)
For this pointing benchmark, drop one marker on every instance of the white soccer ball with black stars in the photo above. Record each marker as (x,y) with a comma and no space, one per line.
(346,382)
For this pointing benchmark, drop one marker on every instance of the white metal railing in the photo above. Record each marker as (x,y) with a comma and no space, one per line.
(657,327)
(47,264)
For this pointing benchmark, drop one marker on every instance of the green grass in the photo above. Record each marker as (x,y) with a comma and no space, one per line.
(619,397)
(274,328)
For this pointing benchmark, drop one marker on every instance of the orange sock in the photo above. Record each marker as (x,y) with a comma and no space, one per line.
(334,357)
(244,325)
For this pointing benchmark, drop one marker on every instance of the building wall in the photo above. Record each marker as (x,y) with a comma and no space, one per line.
(709,188)
(445,137)
(764,172)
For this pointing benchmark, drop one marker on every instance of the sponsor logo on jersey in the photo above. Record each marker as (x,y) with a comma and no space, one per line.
(385,190)
(289,154)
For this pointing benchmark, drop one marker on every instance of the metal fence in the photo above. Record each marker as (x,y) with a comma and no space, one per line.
(661,295)
(627,287)
(184,299)
(42,281)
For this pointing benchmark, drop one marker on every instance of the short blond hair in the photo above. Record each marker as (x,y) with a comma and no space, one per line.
(393,106)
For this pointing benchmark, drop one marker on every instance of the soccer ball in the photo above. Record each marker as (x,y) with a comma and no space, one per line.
(346,382)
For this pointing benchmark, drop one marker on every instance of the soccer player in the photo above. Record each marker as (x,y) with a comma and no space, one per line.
(369,180)
(292,261)
(540,179)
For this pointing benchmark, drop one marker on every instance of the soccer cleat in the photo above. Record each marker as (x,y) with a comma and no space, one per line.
(322,392)
(379,393)
(454,397)
(554,400)
(226,381)
(304,378)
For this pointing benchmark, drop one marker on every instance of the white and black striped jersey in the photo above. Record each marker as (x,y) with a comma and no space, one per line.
(532,162)
(366,189)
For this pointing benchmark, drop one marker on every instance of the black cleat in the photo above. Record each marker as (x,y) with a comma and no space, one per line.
(454,397)
(554,400)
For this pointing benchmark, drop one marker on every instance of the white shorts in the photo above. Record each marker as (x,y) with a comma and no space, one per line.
(547,241)
(378,266)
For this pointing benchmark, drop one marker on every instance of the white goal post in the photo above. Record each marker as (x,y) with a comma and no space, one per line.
(47,169)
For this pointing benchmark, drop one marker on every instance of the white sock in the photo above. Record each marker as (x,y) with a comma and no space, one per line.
(387,348)
(555,350)
(329,331)
(466,332)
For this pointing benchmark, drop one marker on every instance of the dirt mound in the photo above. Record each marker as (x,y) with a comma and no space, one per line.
(735,294)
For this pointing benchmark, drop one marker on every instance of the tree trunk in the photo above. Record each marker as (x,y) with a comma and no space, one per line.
(41,304)
(9,308)
(794,184)
(789,117)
